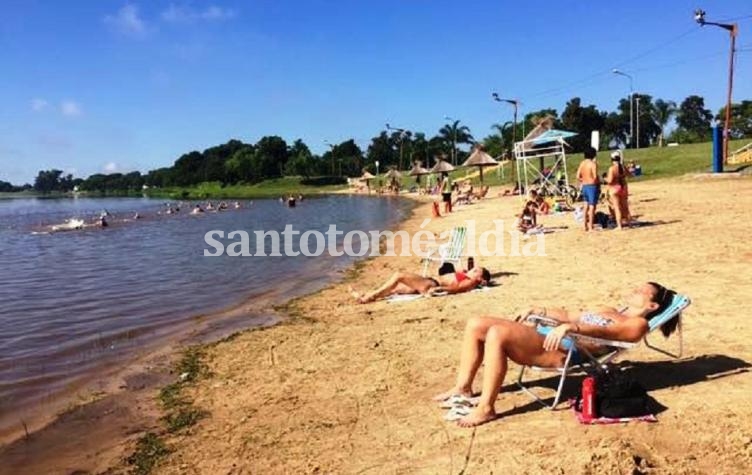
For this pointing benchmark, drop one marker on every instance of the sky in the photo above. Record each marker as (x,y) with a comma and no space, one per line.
(100,86)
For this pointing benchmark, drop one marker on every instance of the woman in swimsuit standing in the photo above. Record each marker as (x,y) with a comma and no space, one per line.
(495,341)
(617,188)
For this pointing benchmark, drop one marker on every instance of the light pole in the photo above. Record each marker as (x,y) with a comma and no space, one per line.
(331,155)
(631,101)
(402,133)
(454,140)
(637,121)
(516,104)
(733,30)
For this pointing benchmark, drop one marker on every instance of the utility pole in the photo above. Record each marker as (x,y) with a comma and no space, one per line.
(733,30)
(637,121)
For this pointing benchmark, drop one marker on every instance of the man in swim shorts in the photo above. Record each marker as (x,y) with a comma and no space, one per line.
(587,175)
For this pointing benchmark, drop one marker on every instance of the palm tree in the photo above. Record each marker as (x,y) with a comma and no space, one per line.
(455,134)
(663,111)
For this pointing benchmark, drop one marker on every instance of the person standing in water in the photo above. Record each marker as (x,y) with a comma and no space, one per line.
(587,175)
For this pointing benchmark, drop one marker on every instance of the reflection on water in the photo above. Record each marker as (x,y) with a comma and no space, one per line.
(76,301)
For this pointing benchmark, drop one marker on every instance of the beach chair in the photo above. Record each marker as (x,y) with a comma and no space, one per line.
(589,362)
(450,251)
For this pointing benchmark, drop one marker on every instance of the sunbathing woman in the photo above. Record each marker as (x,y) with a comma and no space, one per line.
(495,341)
(409,283)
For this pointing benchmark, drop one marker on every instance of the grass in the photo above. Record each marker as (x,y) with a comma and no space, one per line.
(266,189)
(179,412)
(665,162)
(149,450)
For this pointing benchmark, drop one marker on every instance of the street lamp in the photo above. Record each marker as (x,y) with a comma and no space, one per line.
(733,30)
(377,168)
(402,133)
(454,141)
(516,105)
(631,104)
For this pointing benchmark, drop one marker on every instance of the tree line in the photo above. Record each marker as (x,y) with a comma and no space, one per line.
(236,162)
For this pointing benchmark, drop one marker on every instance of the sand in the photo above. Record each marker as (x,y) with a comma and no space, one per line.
(346,388)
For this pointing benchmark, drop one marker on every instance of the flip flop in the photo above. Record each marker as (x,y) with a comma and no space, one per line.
(457,413)
(459,400)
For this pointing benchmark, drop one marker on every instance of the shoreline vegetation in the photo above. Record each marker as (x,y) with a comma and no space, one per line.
(658,163)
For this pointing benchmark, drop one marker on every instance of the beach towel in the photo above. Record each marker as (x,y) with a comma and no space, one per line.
(608,420)
(397,298)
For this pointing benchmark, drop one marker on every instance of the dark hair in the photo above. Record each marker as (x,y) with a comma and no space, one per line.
(590,153)
(485,275)
(663,297)
(446,268)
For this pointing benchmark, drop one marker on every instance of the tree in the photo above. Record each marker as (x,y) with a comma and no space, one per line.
(741,119)
(47,181)
(693,120)
(453,134)
(240,167)
(663,112)
(582,120)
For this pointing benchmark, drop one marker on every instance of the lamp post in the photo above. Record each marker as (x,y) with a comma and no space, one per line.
(515,103)
(331,155)
(637,121)
(631,101)
(402,133)
(733,30)
(454,141)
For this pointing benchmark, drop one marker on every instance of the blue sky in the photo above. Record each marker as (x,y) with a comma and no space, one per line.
(100,85)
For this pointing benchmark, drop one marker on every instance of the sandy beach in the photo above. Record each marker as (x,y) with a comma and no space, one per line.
(346,388)
(340,387)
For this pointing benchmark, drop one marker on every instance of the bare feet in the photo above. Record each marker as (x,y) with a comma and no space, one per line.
(480,415)
(453,392)
(356,295)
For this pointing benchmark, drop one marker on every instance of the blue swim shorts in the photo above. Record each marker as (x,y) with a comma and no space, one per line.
(591,193)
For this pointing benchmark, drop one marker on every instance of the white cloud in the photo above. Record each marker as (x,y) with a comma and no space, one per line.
(185,14)
(127,21)
(38,104)
(70,109)
(111,167)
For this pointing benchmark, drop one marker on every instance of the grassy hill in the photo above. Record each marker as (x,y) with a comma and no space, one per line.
(266,189)
(656,162)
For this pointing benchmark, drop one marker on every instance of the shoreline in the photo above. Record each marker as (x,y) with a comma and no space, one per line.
(108,396)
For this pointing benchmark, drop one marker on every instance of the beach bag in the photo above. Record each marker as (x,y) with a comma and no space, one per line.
(619,395)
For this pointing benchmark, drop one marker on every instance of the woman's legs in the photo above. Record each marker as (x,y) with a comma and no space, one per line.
(471,356)
(507,340)
(616,204)
(397,282)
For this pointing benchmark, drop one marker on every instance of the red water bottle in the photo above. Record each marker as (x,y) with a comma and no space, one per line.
(588,398)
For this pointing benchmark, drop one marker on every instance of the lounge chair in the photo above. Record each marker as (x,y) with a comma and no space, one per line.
(590,362)
(450,251)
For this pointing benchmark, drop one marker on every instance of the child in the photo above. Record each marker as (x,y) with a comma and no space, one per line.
(528,219)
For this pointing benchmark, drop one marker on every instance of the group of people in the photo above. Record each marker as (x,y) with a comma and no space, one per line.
(291,200)
(617,193)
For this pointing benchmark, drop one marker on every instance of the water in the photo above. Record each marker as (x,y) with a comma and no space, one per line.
(72,303)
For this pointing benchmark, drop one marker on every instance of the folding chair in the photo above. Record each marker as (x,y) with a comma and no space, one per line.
(450,251)
(589,362)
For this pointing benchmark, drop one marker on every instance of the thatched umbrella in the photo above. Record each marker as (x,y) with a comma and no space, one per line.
(480,159)
(394,177)
(442,166)
(367,177)
(418,170)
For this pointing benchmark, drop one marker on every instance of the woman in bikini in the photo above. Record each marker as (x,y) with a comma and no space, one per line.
(448,281)
(495,341)
(616,178)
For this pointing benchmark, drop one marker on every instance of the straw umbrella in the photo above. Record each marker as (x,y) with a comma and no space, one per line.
(394,177)
(480,159)
(367,177)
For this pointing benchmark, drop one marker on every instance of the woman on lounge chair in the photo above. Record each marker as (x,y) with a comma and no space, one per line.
(495,341)
(448,281)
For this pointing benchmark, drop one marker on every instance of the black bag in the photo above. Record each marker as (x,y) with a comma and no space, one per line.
(619,395)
